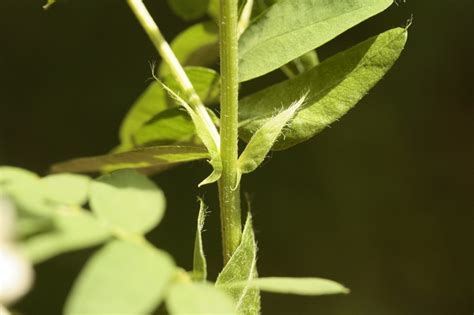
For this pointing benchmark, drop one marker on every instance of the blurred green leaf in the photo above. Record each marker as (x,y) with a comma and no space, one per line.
(122,278)
(48,4)
(299,286)
(195,46)
(68,189)
(199,261)
(242,267)
(73,229)
(30,196)
(153,159)
(264,138)
(198,298)
(10,174)
(127,200)
(335,86)
(189,9)
(287,30)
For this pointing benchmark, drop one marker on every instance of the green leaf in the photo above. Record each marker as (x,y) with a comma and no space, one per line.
(195,46)
(127,200)
(199,261)
(68,189)
(49,4)
(10,174)
(205,81)
(30,196)
(73,229)
(172,126)
(335,86)
(198,298)
(242,267)
(122,278)
(264,138)
(289,29)
(153,159)
(150,102)
(299,286)
(189,10)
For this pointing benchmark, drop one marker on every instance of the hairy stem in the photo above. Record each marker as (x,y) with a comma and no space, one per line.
(229,189)
(168,56)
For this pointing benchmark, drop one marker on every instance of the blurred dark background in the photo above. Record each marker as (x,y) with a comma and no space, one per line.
(382,201)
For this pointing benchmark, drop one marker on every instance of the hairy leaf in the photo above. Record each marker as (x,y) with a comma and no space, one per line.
(264,138)
(299,286)
(335,86)
(122,278)
(195,46)
(73,229)
(127,200)
(198,298)
(149,158)
(189,10)
(242,267)
(199,261)
(289,29)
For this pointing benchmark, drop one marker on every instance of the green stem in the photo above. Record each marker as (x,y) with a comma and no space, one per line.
(229,189)
(168,56)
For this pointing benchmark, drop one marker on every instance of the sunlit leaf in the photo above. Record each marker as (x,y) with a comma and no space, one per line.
(299,286)
(199,261)
(127,200)
(335,86)
(264,138)
(189,10)
(72,229)
(195,46)
(198,298)
(148,158)
(289,29)
(242,267)
(122,278)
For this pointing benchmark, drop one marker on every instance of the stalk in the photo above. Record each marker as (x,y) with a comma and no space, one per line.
(168,56)
(229,190)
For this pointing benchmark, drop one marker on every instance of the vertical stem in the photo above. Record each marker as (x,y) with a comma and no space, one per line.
(165,51)
(229,191)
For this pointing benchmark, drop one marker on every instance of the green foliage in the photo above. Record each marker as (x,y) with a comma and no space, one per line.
(199,261)
(299,286)
(242,267)
(167,125)
(198,298)
(264,138)
(288,30)
(122,278)
(189,10)
(335,86)
(149,159)
(128,201)
(196,46)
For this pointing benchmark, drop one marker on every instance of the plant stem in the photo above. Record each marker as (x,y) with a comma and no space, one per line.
(168,56)
(229,189)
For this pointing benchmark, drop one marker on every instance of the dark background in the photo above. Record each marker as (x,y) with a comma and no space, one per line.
(382,201)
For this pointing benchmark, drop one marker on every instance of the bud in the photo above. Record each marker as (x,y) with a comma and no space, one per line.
(16,275)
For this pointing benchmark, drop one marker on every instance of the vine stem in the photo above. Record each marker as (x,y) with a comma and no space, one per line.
(229,188)
(177,70)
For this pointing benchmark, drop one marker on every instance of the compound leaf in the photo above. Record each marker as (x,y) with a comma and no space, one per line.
(127,200)
(122,278)
(335,86)
(198,298)
(289,29)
